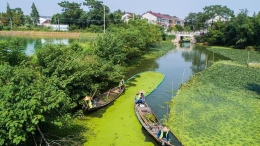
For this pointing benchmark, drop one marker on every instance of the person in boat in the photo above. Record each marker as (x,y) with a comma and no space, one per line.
(88,101)
(122,84)
(139,98)
(164,135)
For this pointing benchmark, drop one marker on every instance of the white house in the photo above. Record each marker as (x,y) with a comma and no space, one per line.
(157,18)
(46,22)
(218,19)
(178,21)
(127,16)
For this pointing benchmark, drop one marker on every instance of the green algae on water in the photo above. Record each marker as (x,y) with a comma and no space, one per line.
(117,124)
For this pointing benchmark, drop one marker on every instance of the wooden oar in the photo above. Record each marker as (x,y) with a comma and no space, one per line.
(93,94)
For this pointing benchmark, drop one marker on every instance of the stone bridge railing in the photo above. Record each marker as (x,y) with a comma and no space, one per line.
(185,33)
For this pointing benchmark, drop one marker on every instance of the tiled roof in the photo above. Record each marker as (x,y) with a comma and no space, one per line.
(159,15)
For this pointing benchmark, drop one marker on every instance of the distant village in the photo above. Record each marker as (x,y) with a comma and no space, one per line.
(164,20)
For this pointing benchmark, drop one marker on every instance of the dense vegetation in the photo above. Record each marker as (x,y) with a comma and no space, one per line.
(44,91)
(224,28)
(219,106)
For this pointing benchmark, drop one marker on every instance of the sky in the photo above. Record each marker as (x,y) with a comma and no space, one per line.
(179,8)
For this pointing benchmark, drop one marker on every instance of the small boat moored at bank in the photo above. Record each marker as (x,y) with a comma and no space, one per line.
(102,100)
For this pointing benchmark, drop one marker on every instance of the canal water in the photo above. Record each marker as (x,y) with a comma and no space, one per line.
(29,44)
(178,65)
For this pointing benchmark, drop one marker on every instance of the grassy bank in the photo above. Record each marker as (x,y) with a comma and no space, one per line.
(241,56)
(40,34)
(219,106)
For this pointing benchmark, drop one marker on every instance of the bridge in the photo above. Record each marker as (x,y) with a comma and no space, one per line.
(181,35)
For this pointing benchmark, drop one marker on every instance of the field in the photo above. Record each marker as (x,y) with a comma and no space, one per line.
(219,106)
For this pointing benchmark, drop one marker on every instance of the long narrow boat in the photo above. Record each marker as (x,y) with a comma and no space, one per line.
(149,121)
(103,99)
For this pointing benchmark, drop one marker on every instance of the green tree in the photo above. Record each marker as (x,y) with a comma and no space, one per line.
(6,18)
(245,29)
(219,12)
(127,41)
(12,51)
(29,101)
(35,14)
(9,14)
(71,13)
(115,17)
(191,20)
(96,12)
(18,17)
(28,21)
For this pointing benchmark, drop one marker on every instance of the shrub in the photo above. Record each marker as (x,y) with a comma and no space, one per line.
(1,27)
(95,29)
(250,48)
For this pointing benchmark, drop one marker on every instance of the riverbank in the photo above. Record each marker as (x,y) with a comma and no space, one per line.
(41,34)
(219,106)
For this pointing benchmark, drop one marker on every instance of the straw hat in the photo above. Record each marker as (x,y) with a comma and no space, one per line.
(142,91)
(87,98)
(165,129)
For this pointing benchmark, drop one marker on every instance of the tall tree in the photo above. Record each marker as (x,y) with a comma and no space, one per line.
(35,14)
(217,13)
(18,17)
(71,13)
(96,12)
(9,14)
(190,21)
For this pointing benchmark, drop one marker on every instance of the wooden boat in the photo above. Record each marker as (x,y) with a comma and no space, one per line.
(103,99)
(149,121)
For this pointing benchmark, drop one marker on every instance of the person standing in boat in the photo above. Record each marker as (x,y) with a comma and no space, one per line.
(142,95)
(164,135)
(122,84)
(88,101)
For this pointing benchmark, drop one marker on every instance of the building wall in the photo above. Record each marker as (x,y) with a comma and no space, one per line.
(62,27)
(126,17)
(151,18)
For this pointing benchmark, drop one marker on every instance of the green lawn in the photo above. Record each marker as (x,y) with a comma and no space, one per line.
(219,106)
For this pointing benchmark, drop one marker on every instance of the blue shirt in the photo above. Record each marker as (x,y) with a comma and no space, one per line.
(164,135)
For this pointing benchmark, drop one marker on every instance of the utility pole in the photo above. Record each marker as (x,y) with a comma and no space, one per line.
(59,24)
(104,19)
(11,23)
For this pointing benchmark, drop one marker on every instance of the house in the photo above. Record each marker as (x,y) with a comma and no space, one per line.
(218,19)
(157,18)
(127,16)
(45,21)
(178,21)
(164,20)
